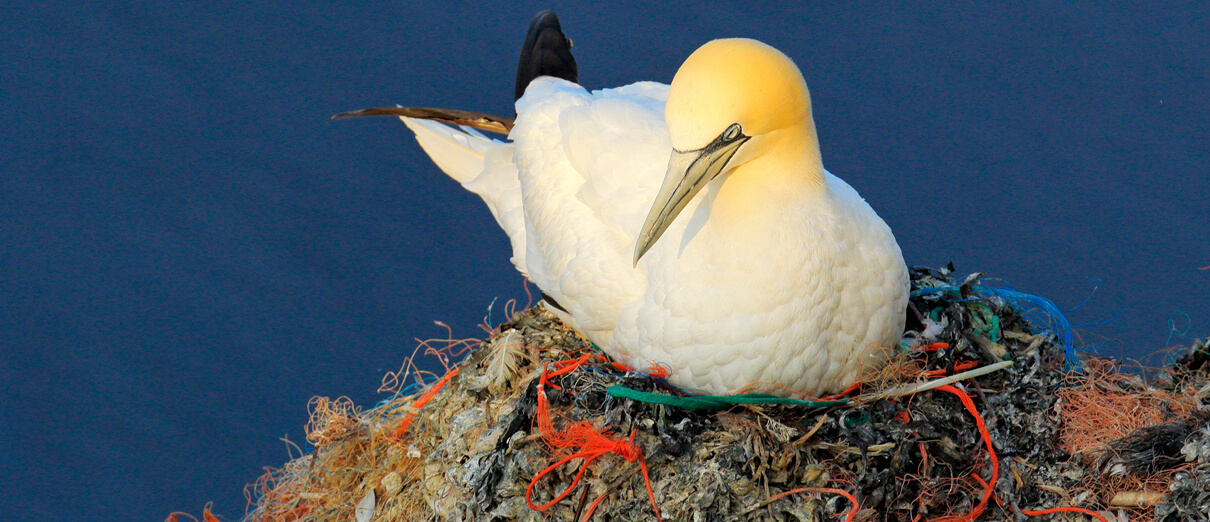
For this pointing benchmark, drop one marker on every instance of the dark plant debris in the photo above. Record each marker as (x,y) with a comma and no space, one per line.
(475,448)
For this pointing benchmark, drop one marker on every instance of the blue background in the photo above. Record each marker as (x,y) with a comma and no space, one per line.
(190,250)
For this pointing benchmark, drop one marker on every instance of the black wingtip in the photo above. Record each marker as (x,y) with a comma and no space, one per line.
(546,52)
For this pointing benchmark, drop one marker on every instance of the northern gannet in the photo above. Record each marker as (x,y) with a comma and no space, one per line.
(690,225)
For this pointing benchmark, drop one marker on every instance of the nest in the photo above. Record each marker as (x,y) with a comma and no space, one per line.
(466,444)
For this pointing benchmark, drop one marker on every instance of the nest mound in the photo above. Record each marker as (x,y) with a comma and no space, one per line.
(1036,434)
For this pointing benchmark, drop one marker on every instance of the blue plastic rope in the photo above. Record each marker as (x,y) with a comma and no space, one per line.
(1041,312)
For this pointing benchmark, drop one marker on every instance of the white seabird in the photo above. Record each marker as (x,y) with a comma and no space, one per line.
(692,225)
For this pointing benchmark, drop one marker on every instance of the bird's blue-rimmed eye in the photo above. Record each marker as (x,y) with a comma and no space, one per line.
(732,132)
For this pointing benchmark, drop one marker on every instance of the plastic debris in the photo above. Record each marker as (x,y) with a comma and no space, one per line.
(1019,434)
(365,508)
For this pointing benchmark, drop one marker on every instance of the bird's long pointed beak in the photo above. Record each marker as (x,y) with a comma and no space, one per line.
(688,172)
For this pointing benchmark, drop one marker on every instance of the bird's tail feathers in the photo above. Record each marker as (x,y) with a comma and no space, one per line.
(458,151)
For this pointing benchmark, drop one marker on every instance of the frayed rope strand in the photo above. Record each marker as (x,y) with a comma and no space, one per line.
(556,440)
(990,485)
(595,446)
(1067,509)
(589,442)
(421,402)
(852,513)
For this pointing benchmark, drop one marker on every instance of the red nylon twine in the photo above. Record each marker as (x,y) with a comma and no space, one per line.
(1067,509)
(959,367)
(423,400)
(933,347)
(589,443)
(595,444)
(990,485)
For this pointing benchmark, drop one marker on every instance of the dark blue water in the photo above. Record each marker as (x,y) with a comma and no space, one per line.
(189,250)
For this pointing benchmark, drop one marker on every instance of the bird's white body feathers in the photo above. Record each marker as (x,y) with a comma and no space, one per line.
(799,294)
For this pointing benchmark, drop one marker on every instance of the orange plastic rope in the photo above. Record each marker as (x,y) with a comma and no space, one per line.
(658,371)
(852,387)
(423,400)
(1067,509)
(852,511)
(553,438)
(988,486)
(595,446)
(959,366)
(563,367)
(590,442)
(655,371)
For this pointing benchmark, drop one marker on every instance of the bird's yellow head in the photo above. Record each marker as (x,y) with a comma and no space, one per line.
(734,81)
(732,101)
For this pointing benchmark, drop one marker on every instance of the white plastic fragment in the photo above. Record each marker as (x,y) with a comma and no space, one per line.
(365,508)
(914,388)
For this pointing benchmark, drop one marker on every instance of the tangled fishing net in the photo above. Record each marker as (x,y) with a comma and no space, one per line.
(984,413)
